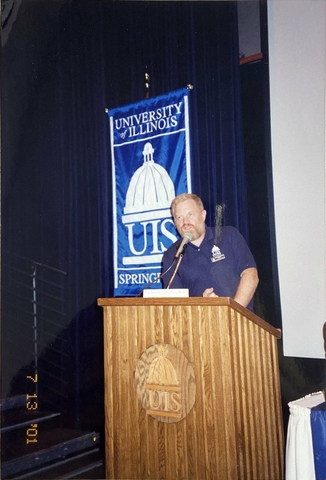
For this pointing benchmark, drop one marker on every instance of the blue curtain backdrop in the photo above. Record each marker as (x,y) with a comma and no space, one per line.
(66,61)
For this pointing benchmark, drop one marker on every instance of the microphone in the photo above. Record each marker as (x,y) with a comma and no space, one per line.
(185,239)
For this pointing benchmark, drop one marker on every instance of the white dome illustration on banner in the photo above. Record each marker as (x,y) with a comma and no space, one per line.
(150,187)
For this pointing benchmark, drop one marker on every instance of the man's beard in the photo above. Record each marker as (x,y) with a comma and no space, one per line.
(196,231)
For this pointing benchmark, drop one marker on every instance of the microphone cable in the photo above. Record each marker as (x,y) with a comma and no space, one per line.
(157,278)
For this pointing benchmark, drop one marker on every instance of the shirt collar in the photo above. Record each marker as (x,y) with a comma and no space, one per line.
(209,235)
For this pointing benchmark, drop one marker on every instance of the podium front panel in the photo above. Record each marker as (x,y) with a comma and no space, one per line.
(156,355)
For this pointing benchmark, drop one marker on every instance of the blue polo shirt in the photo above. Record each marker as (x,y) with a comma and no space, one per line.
(216,264)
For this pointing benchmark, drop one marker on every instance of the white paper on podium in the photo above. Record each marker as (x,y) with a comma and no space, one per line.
(166,293)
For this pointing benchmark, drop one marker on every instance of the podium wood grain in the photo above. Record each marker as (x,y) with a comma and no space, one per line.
(234,430)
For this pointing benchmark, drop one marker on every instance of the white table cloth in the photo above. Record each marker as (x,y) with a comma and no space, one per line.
(299,455)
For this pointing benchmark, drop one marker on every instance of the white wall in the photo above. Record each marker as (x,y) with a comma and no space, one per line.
(297,50)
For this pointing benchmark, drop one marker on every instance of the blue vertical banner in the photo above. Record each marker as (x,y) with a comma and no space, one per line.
(150,154)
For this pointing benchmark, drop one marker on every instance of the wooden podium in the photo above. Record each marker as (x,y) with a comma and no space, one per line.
(192,391)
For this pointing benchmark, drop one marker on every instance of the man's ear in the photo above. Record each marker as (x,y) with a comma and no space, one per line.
(203,215)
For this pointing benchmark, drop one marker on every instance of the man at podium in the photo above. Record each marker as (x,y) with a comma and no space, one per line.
(216,262)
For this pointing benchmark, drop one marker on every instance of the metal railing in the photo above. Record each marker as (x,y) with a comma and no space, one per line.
(33,319)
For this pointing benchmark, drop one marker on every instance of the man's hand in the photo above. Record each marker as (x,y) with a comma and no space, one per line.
(246,288)
(209,292)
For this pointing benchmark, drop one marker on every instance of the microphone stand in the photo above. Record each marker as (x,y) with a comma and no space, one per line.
(178,257)
(157,278)
(175,271)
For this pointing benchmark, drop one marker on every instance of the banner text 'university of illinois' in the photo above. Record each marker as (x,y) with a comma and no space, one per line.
(150,152)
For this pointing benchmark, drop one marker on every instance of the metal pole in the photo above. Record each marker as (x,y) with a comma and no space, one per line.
(147,84)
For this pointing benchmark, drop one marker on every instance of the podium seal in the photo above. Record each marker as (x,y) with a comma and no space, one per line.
(165,383)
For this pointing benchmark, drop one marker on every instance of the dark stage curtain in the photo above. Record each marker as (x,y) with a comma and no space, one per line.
(63,64)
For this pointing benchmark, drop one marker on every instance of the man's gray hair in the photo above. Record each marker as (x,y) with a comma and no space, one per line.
(186,196)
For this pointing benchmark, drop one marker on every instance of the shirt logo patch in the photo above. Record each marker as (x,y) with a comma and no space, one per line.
(216,254)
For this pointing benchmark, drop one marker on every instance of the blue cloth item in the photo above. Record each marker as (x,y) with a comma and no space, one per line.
(217,262)
(318,430)
(150,154)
